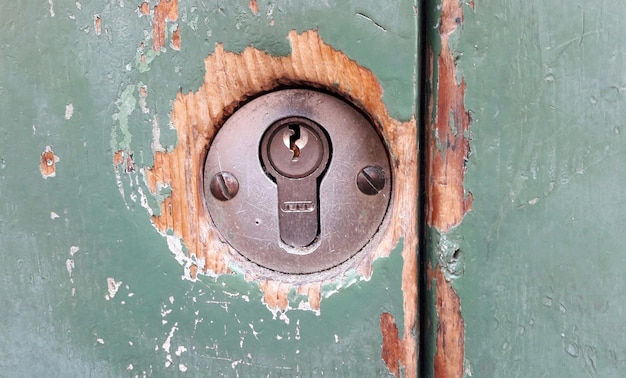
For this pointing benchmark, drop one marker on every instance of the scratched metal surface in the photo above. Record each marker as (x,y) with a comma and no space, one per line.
(88,286)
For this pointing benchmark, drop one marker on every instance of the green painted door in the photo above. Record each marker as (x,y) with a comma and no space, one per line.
(521,157)
(92,283)
(526,253)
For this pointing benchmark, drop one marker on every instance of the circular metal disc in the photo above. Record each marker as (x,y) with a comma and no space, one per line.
(348,217)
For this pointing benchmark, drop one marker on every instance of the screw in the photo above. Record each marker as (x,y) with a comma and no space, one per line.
(224,186)
(371,180)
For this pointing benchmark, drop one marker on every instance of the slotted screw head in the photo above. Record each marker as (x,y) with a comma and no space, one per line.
(371,180)
(224,186)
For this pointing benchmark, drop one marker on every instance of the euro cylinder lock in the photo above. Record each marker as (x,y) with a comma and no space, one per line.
(297,181)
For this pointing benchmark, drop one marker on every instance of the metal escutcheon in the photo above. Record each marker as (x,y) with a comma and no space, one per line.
(313,181)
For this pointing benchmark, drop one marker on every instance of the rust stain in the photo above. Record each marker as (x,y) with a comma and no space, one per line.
(176,38)
(47,164)
(254,6)
(447,152)
(232,78)
(98,24)
(165,10)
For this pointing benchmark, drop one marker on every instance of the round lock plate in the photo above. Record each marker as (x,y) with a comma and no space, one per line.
(337,195)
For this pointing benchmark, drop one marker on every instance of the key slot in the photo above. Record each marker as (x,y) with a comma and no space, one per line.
(297,173)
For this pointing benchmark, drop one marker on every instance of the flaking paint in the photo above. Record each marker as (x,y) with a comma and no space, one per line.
(220,326)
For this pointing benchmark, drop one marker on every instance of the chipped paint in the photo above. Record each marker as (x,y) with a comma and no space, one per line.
(176,38)
(254,6)
(69,265)
(69,110)
(164,11)
(400,352)
(144,8)
(48,162)
(97,24)
(167,345)
(232,332)
(200,113)
(112,287)
(51,8)
(449,359)
(447,153)
(392,348)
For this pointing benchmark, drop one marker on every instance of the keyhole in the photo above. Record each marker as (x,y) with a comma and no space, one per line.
(292,142)
(295,138)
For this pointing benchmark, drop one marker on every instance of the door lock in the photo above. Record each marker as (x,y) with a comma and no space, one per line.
(297,181)
(295,153)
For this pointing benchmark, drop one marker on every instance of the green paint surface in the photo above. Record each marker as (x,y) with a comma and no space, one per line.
(59,317)
(543,291)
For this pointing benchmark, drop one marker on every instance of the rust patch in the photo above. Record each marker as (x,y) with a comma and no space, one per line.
(176,38)
(165,10)
(447,152)
(254,6)
(229,80)
(48,162)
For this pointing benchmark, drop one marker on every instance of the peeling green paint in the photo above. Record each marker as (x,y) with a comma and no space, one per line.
(126,104)
(155,323)
(543,292)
